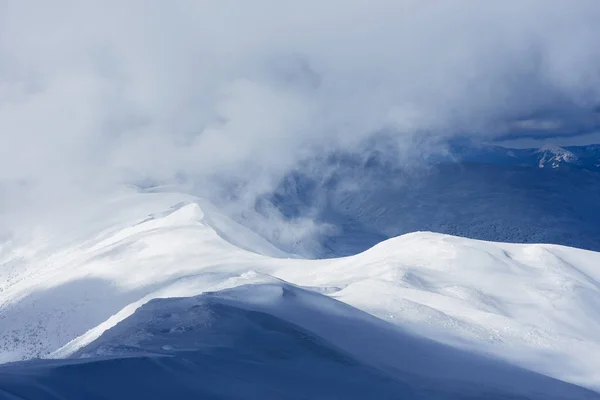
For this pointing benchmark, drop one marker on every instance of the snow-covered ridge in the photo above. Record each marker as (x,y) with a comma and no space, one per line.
(276,340)
(524,304)
(554,149)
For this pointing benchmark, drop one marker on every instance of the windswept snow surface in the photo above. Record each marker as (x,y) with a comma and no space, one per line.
(418,312)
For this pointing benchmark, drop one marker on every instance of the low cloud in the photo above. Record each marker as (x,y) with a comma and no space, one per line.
(98,94)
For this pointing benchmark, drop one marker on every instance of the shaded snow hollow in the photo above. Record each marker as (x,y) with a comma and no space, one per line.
(418,312)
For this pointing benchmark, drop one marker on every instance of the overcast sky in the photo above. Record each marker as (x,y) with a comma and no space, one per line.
(95,94)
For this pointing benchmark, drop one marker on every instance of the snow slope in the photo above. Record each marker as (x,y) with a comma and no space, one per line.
(535,307)
(271,340)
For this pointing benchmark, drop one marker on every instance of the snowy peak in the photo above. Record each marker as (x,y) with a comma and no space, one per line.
(553,156)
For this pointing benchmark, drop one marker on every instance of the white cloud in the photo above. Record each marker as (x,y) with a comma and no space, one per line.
(94,94)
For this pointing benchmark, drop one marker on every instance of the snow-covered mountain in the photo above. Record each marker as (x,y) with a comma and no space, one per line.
(163,295)
(552,156)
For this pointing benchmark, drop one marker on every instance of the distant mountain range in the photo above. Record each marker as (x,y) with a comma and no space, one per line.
(545,195)
(547,156)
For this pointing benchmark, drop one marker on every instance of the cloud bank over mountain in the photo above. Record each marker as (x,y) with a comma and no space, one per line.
(97,94)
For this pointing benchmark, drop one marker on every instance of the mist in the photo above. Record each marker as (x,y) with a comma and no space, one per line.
(228,97)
